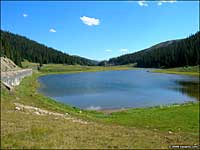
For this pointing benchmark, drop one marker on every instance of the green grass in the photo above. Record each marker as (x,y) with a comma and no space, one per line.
(27,64)
(60,68)
(168,118)
(190,70)
(132,128)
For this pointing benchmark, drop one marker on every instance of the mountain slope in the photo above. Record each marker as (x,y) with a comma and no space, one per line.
(175,53)
(17,48)
(162,44)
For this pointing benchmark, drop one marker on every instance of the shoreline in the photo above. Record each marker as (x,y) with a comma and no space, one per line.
(109,111)
(36,75)
(195,74)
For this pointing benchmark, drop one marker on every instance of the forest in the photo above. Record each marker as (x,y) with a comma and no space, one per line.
(175,53)
(169,54)
(18,48)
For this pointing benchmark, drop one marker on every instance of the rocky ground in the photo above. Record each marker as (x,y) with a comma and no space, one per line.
(38,111)
(8,65)
(11,74)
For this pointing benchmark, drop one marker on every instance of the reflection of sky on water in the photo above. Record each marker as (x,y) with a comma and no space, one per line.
(118,89)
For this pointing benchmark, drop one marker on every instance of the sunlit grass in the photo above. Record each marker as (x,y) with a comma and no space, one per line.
(190,70)
(132,128)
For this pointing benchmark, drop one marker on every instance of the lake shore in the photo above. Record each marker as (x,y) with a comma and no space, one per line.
(133,123)
(109,111)
(192,71)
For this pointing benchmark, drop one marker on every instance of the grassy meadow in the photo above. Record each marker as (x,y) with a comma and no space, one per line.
(155,127)
(190,70)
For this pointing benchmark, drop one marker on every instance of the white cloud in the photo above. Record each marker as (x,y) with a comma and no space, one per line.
(90,21)
(124,50)
(142,3)
(108,50)
(52,30)
(166,1)
(25,15)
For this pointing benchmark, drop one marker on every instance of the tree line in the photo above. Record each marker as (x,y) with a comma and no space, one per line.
(18,48)
(176,53)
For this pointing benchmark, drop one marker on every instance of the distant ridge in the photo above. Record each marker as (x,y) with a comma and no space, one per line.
(163,44)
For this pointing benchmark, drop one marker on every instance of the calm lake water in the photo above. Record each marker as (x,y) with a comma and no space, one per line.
(119,89)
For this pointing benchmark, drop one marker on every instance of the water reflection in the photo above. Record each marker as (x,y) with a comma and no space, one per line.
(120,89)
(191,88)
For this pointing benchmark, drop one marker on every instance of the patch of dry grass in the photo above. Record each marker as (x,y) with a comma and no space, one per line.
(21,130)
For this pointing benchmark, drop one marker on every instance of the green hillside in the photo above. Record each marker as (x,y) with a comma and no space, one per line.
(18,48)
(175,53)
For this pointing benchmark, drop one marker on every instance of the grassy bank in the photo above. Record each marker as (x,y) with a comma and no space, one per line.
(61,69)
(156,127)
(175,118)
(190,70)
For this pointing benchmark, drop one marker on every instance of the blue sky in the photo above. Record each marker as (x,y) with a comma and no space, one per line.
(100,30)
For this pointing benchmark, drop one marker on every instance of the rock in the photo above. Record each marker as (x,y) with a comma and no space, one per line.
(79,121)
(155,129)
(17,108)
(11,74)
(36,109)
(37,113)
(66,114)
(170,132)
(7,64)
(41,111)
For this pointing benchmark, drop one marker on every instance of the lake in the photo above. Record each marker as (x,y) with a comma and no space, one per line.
(119,89)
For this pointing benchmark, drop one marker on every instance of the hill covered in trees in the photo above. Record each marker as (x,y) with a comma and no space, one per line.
(17,48)
(175,53)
